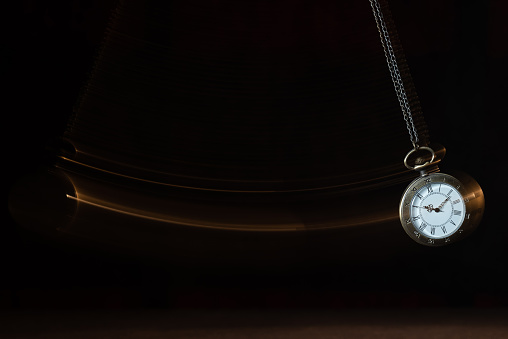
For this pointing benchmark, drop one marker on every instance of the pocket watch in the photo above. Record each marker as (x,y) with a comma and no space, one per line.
(436,208)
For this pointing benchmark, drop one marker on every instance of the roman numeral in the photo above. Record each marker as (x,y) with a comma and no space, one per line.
(456,201)
(451,222)
(422,226)
(443,229)
(457,212)
(419,195)
(450,192)
(429,189)
(440,188)
(416,218)
(432,230)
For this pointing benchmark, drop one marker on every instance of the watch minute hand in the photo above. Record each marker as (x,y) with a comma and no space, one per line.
(442,204)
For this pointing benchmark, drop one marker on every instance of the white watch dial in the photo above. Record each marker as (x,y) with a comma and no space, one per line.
(437,210)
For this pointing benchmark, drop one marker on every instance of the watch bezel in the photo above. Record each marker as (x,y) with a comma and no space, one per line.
(472,196)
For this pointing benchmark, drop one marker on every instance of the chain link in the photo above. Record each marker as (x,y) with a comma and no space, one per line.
(394,72)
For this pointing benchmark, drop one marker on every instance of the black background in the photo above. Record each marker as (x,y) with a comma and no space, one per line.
(457,54)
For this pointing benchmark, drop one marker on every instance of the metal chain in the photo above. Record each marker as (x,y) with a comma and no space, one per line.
(394,72)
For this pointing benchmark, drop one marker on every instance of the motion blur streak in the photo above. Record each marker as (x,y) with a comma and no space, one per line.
(231,227)
(394,177)
(252,216)
(234,211)
(174,219)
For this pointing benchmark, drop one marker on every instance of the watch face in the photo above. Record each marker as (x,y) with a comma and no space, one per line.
(437,209)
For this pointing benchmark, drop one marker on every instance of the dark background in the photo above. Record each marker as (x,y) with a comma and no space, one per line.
(457,55)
